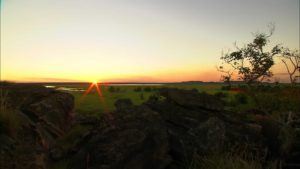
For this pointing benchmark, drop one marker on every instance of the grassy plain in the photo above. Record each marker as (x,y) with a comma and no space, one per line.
(92,104)
(279,101)
(269,96)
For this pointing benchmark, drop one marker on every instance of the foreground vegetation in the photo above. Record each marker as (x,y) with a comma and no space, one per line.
(268,97)
(92,104)
(280,101)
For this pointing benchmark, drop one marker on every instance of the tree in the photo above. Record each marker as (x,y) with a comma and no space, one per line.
(252,63)
(291,60)
(227,75)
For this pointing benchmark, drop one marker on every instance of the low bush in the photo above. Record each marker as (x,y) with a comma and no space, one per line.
(241,98)
(112,89)
(137,89)
(147,89)
(221,95)
(245,156)
(225,87)
(142,96)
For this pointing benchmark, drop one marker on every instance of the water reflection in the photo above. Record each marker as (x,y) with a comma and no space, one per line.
(51,87)
(70,89)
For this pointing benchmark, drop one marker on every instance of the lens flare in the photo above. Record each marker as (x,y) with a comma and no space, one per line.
(95,82)
(97,86)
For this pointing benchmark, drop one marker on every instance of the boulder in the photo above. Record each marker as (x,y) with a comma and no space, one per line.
(164,133)
(51,114)
(45,115)
(197,124)
(192,99)
(123,104)
(211,134)
(131,138)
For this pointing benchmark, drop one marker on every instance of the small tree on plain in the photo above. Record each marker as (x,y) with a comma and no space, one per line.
(291,60)
(252,62)
(226,77)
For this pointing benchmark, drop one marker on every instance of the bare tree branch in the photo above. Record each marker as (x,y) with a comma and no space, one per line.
(291,58)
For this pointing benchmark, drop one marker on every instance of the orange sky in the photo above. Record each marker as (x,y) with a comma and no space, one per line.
(128,40)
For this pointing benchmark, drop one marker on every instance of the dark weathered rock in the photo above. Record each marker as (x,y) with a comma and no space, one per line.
(131,138)
(192,99)
(197,124)
(163,133)
(211,134)
(45,115)
(52,114)
(56,153)
(123,104)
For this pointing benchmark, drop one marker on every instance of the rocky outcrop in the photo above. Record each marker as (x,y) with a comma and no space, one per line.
(292,159)
(197,124)
(191,99)
(43,116)
(130,138)
(51,114)
(166,132)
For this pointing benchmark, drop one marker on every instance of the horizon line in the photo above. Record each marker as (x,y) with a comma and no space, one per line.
(111,82)
(128,82)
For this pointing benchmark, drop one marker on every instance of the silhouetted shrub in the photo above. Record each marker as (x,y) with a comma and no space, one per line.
(147,89)
(242,86)
(221,95)
(154,89)
(225,87)
(263,88)
(194,89)
(241,98)
(112,89)
(5,83)
(142,96)
(284,99)
(137,89)
(203,92)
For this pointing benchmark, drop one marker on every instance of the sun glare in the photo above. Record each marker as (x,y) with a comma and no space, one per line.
(95,82)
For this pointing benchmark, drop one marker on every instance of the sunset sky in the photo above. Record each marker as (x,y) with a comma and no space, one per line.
(134,40)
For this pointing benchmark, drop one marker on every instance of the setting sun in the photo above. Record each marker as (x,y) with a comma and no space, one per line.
(95,82)
(141,84)
(145,41)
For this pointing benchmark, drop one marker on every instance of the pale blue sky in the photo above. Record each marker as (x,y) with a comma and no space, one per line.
(150,40)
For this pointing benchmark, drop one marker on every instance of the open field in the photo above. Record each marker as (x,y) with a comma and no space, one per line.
(92,104)
(266,111)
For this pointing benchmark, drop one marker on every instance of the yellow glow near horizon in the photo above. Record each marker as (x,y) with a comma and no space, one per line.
(127,40)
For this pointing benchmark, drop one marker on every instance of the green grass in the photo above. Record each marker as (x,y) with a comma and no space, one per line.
(208,88)
(229,161)
(92,104)
(64,164)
